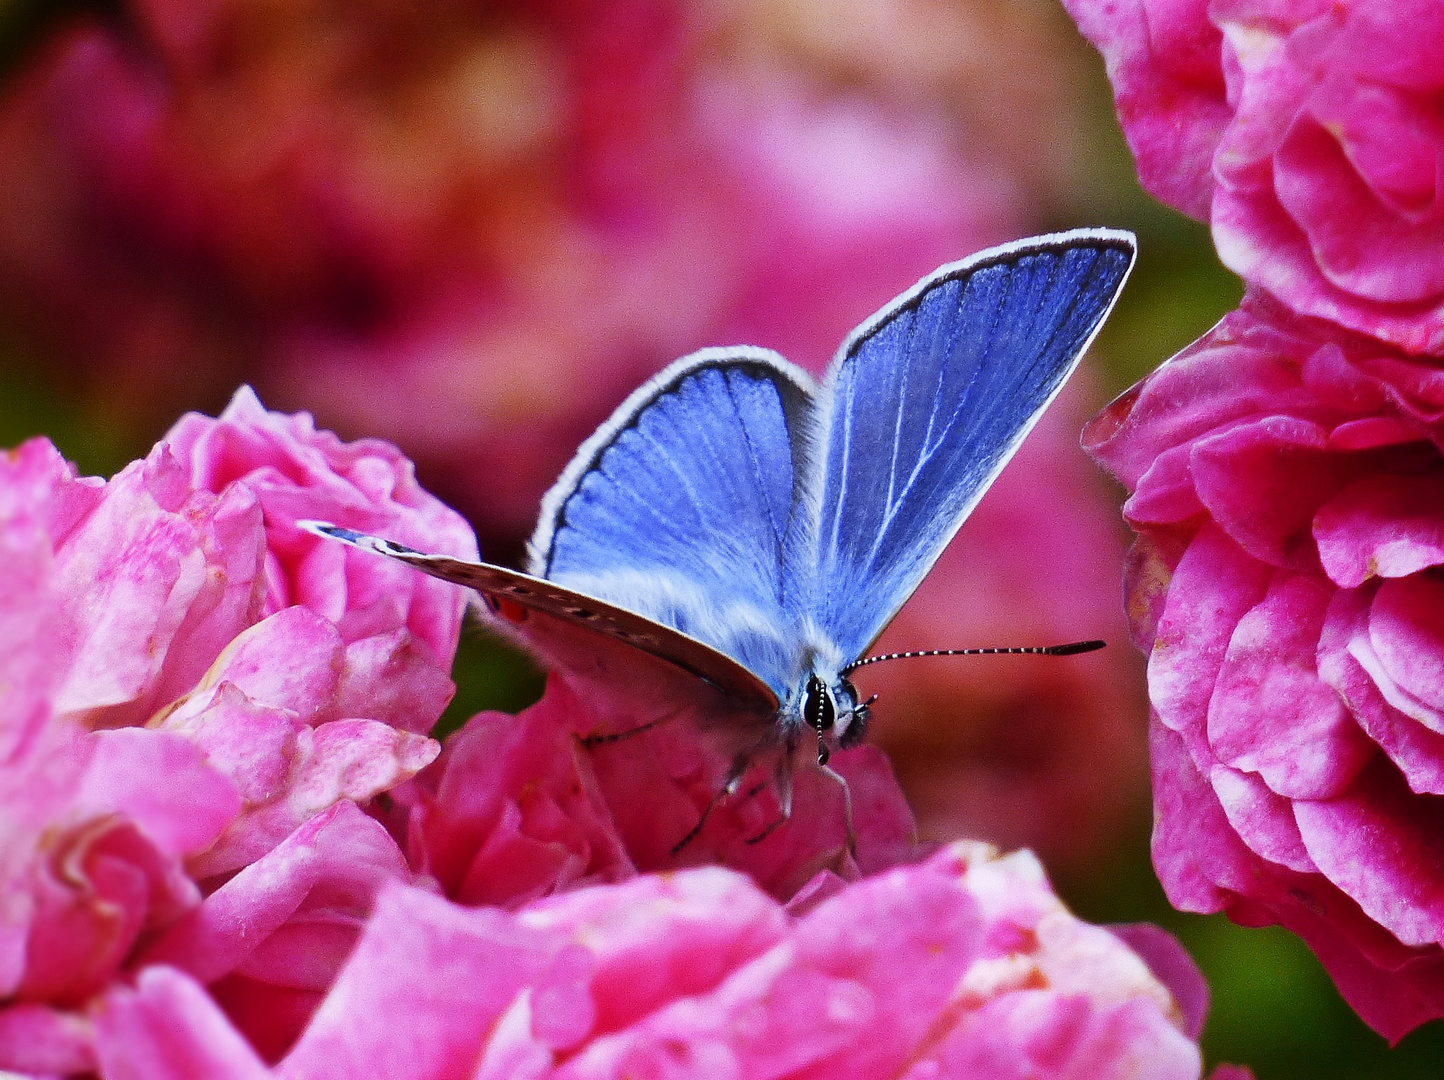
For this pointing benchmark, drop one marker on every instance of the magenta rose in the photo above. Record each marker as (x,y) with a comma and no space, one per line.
(1308,132)
(1287,486)
(966,964)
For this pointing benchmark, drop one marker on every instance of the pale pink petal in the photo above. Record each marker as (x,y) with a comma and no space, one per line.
(392,678)
(1213,586)
(168,1029)
(1263,819)
(270,941)
(1383,847)
(1044,1035)
(1348,663)
(40,1041)
(1406,629)
(291,660)
(35,479)
(658,937)
(151,560)
(331,764)
(338,859)
(442,976)
(1385,526)
(162,782)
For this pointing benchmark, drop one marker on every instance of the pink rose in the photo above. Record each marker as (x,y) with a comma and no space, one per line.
(294,472)
(194,696)
(1308,133)
(966,964)
(1288,490)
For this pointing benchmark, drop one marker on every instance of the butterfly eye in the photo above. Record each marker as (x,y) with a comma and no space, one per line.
(818,710)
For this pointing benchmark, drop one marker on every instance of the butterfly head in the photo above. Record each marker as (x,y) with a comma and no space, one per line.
(831,708)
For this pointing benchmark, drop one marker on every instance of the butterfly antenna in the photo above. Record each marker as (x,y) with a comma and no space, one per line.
(1073,648)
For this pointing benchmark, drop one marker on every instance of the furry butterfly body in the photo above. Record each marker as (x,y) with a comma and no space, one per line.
(736,535)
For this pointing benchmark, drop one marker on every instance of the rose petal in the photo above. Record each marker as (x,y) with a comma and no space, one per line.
(1270,712)
(1385,849)
(1386,525)
(168,1029)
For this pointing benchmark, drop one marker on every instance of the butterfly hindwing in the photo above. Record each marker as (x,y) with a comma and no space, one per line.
(541,611)
(681,506)
(928,400)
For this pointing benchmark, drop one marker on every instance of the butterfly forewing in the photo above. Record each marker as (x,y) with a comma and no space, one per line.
(929,399)
(680,508)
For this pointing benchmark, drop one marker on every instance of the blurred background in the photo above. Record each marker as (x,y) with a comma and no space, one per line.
(472,228)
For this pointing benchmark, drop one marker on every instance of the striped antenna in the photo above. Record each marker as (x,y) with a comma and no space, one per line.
(1071,649)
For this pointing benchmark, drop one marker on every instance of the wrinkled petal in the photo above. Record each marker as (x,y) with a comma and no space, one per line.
(1384,526)
(1270,713)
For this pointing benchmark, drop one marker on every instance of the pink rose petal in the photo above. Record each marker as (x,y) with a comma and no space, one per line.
(1386,526)
(1270,713)
(168,1029)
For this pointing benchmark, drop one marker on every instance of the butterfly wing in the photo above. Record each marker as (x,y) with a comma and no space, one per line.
(926,402)
(571,629)
(680,508)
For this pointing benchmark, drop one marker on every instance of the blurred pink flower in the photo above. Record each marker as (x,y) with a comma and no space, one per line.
(1022,751)
(165,597)
(506,221)
(1308,133)
(964,964)
(1287,486)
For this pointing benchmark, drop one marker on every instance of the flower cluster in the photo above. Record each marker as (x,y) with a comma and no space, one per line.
(231,850)
(1287,478)
(509,219)
(963,965)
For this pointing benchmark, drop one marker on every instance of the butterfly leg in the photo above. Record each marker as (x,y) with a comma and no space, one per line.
(729,787)
(619,736)
(783,781)
(846,808)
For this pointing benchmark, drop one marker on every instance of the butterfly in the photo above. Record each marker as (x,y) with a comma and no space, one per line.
(733,539)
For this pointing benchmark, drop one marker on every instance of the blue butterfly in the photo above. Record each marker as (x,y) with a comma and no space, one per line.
(734,538)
